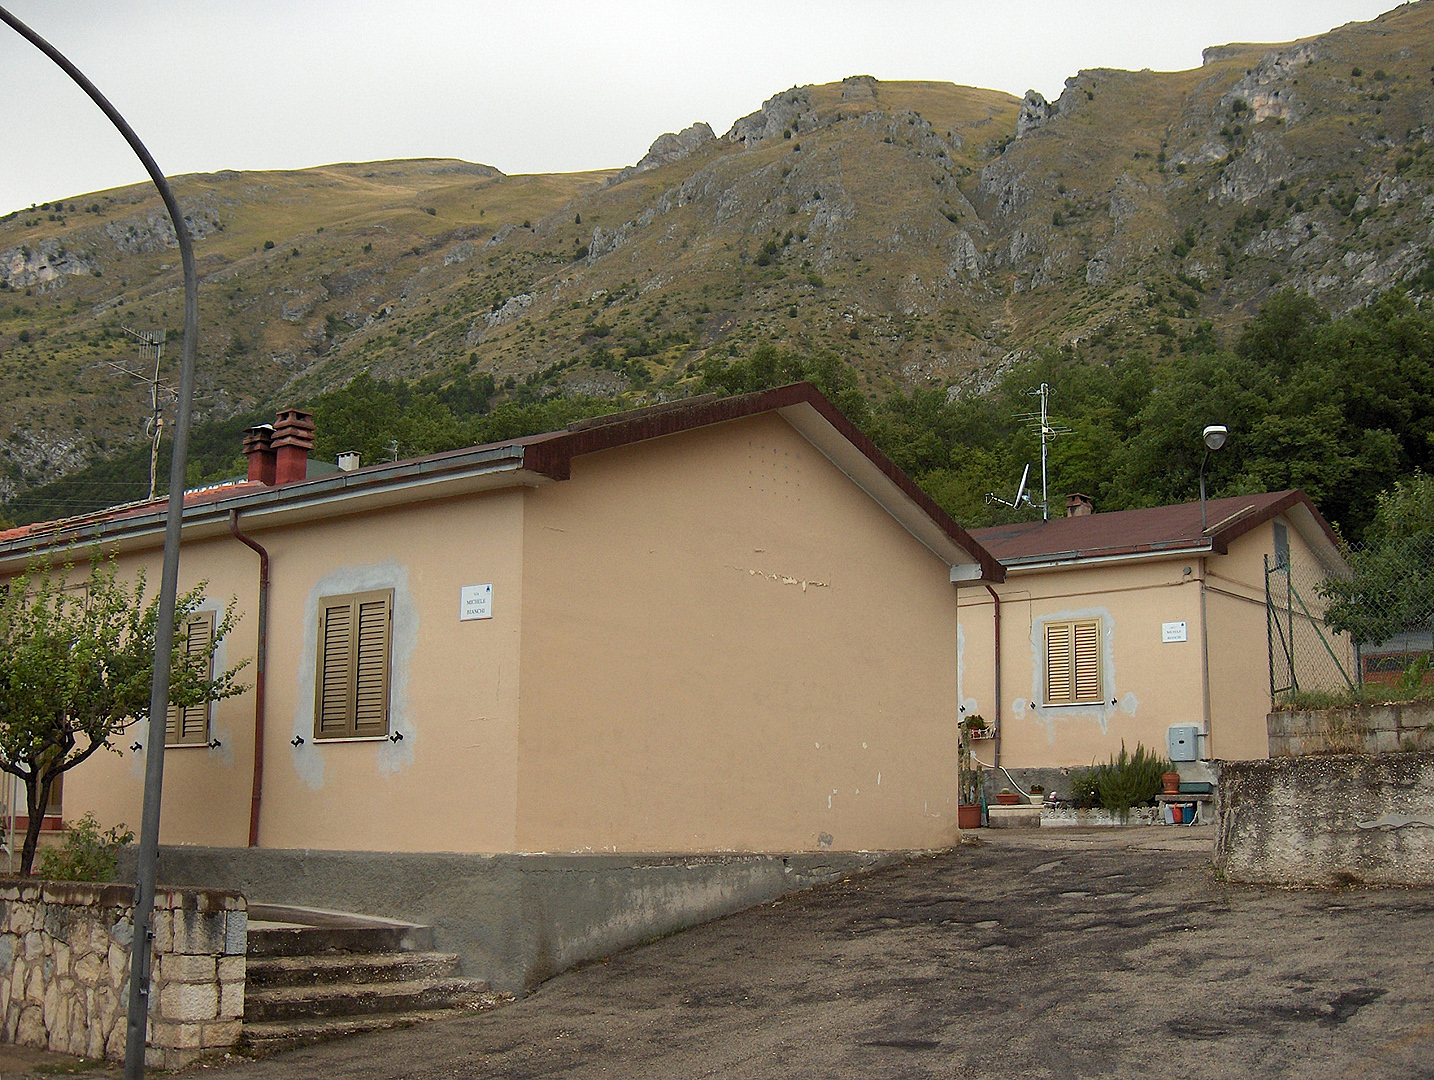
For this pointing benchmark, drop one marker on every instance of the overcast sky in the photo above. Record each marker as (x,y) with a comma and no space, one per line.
(529,85)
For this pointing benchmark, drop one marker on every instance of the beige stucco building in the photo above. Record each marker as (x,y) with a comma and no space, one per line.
(717,626)
(1116,627)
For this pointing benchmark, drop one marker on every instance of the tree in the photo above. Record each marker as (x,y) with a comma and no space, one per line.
(1392,587)
(75,670)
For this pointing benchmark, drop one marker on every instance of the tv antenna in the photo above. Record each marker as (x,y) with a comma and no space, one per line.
(1022,495)
(1041,424)
(151,347)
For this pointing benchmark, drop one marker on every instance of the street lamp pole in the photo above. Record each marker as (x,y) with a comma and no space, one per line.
(1214,437)
(169,579)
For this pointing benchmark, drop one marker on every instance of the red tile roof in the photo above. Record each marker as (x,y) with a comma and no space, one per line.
(1130,532)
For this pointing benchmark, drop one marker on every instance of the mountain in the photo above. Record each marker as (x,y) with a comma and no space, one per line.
(927,233)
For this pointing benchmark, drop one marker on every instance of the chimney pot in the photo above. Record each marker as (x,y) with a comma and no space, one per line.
(293,439)
(259,450)
(348,461)
(1078,505)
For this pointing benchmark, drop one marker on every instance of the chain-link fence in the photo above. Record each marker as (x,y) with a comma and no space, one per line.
(1367,624)
(1306,653)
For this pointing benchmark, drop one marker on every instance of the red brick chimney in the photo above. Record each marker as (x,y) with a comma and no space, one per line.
(1078,505)
(293,439)
(260,453)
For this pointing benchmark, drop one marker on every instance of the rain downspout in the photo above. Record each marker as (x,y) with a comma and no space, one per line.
(1204,661)
(996,627)
(259,665)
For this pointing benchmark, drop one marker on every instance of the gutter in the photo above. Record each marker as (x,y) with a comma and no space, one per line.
(1035,564)
(331,494)
(262,650)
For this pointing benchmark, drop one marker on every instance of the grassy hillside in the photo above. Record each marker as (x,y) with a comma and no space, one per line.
(927,235)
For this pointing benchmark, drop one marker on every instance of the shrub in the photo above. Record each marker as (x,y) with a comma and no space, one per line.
(87,854)
(1129,779)
(268,245)
(1085,788)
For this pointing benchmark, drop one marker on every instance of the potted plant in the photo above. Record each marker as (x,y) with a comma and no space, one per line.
(1007,797)
(1038,794)
(968,803)
(978,726)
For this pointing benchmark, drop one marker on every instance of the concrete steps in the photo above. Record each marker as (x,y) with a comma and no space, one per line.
(315,975)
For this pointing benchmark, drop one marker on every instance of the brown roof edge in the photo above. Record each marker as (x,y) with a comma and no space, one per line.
(552,455)
(1220,541)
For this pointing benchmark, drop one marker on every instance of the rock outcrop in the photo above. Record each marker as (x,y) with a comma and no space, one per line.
(667,148)
(788,113)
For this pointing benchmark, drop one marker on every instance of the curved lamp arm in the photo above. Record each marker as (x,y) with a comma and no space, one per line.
(169,579)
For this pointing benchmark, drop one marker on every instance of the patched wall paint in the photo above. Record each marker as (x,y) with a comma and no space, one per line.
(1153,685)
(308,755)
(1048,715)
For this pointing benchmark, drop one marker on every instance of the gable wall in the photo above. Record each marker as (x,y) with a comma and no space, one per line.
(1153,683)
(729,646)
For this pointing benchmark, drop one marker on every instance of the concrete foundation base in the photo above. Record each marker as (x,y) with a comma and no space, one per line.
(1013,817)
(515,919)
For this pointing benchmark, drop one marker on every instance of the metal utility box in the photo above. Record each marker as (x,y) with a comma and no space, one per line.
(1184,743)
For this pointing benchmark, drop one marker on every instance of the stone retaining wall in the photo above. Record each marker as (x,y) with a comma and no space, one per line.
(1355,729)
(1328,819)
(64,969)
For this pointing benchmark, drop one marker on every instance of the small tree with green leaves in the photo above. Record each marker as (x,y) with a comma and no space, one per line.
(1391,588)
(76,662)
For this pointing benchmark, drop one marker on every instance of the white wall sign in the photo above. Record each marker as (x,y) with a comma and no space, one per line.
(476,602)
(1172,631)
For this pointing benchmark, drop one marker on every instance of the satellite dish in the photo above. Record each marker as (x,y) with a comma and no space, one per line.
(1021,495)
(1021,489)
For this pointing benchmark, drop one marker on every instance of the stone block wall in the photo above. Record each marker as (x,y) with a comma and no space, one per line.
(64,969)
(1328,819)
(1354,729)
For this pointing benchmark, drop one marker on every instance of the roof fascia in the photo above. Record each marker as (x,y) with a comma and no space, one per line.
(330,496)
(1067,560)
(1303,514)
(890,495)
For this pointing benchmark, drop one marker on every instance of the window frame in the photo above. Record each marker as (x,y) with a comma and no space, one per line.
(1074,654)
(176,721)
(349,670)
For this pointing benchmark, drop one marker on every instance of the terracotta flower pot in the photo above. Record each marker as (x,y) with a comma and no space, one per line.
(1171,783)
(968,817)
(1007,798)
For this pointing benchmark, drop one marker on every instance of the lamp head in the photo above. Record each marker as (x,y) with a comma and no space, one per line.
(1215,436)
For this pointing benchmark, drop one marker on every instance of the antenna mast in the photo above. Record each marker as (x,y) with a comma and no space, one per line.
(1041,422)
(151,347)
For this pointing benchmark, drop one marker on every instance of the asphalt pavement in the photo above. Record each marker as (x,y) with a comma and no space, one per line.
(1043,954)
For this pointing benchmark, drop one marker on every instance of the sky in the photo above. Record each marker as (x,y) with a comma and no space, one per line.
(530,86)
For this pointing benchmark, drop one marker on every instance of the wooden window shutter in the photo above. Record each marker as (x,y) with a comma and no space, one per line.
(1073,663)
(190,726)
(1087,661)
(1059,690)
(352,676)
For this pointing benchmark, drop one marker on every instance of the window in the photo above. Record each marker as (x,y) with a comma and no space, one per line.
(1282,546)
(190,726)
(352,676)
(1073,663)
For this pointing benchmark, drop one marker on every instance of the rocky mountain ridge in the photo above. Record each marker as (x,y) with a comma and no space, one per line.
(924,231)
